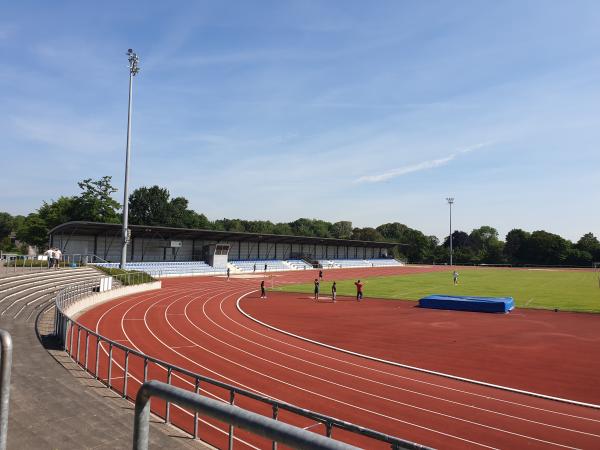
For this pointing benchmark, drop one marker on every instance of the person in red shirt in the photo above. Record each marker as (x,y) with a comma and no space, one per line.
(359,291)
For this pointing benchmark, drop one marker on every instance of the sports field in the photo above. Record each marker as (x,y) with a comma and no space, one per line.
(531,288)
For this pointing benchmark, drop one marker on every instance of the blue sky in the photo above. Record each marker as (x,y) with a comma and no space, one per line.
(339,110)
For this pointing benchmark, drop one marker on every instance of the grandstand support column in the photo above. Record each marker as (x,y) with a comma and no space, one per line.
(133,71)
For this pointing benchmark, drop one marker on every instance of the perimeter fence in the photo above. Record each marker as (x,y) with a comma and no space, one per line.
(125,369)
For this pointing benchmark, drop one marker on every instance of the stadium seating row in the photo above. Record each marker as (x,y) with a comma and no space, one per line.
(167,268)
(258,265)
(347,263)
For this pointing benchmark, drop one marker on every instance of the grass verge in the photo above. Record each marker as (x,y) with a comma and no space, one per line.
(127,277)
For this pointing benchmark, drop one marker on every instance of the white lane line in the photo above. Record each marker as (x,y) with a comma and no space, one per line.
(306,374)
(368,380)
(186,412)
(170,324)
(443,387)
(299,388)
(418,369)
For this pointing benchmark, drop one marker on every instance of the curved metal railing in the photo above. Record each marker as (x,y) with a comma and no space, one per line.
(117,366)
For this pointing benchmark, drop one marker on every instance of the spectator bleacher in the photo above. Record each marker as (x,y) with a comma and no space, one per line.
(348,263)
(168,268)
(384,262)
(174,268)
(299,264)
(273,265)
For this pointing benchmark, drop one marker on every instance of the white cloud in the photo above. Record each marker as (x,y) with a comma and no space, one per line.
(424,165)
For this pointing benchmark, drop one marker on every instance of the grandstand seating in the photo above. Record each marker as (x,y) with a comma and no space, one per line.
(273,265)
(179,268)
(347,263)
(299,264)
(168,268)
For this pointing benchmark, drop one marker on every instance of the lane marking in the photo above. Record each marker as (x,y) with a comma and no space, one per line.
(418,369)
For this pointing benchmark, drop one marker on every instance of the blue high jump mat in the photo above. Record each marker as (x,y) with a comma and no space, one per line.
(468,303)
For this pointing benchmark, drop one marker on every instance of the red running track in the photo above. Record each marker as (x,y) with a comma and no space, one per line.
(195,323)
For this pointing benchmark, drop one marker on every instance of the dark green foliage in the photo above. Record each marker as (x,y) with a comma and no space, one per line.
(153,206)
(95,203)
(34,231)
(127,277)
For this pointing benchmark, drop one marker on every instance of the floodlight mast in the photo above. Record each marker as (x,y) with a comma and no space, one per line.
(133,71)
(450,201)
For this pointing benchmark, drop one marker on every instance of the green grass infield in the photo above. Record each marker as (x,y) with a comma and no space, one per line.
(533,288)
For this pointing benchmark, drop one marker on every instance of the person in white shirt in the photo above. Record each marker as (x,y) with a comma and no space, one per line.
(57,257)
(50,255)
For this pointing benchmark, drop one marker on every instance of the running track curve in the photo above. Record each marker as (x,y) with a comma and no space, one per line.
(194,323)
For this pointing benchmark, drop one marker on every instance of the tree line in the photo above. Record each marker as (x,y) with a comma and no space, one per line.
(154,206)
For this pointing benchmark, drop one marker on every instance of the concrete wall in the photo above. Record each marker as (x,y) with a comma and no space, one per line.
(76,309)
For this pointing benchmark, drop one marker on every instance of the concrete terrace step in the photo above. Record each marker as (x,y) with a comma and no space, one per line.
(54,404)
(14,280)
(17,298)
(55,281)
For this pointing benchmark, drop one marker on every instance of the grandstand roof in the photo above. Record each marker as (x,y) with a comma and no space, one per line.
(145,231)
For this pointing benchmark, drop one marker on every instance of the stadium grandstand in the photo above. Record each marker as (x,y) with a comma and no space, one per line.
(164,251)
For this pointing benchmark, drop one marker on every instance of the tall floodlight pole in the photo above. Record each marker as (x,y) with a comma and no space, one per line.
(133,71)
(450,200)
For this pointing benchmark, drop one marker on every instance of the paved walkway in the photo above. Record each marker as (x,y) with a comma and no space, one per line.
(55,405)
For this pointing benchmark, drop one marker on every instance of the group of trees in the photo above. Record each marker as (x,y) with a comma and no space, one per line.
(154,206)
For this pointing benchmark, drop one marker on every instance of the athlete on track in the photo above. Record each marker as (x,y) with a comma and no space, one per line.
(359,290)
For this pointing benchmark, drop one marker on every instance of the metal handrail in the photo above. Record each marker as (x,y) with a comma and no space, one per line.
(70,332)
(272,429)
(5,368)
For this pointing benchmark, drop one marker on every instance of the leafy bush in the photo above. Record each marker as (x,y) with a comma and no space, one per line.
(127,277)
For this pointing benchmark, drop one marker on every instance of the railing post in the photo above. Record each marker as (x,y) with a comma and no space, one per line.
(145,369)
(168,405)
(87,348)
(97,362)
(110,350)
(231,402)
(328,429)
(126,368)
(78,343)
(196,391)
(72,331)
(5,367)
(275,414)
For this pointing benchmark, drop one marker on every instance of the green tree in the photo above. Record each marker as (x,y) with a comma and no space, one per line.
(282,228)
(95,203)
(418,247)
(59,211)
(33,231)
(545,248)
(6,224)
(515,246)
(485,245)
(341,230)
(576,257)
(149,206)
(367,234)
(589,243)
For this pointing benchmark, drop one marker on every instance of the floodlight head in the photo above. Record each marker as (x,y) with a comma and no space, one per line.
(134,61)
(450,200)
